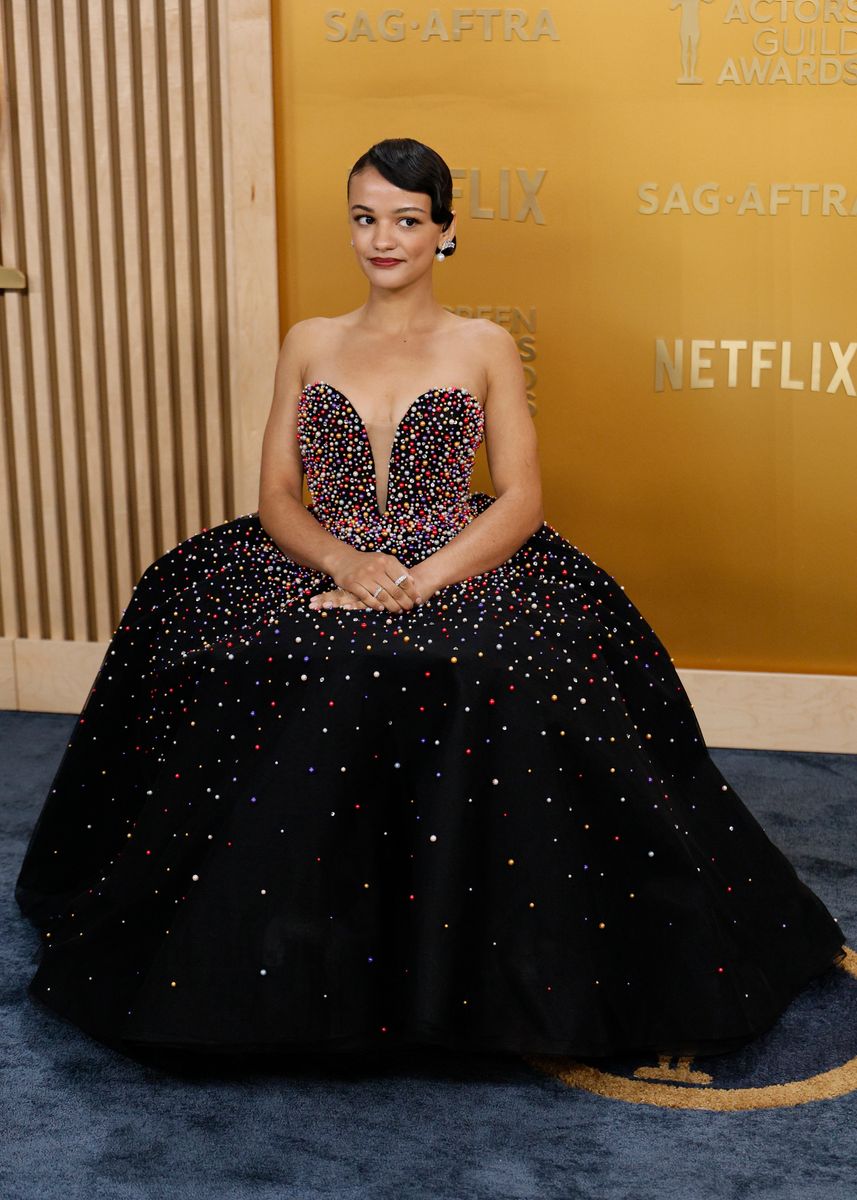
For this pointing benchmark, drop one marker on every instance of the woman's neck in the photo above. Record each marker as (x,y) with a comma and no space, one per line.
(411,309)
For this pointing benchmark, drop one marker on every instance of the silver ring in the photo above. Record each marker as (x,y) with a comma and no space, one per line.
(401,577)
(378,589)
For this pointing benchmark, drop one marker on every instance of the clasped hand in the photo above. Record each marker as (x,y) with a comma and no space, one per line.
(362,573)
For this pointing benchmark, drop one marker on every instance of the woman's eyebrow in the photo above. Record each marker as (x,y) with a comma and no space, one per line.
(407,208)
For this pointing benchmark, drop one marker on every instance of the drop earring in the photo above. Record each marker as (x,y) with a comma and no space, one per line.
(440,253)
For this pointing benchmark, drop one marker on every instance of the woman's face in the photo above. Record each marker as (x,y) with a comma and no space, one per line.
(389,223)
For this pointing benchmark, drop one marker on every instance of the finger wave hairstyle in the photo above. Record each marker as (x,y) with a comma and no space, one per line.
(414,167)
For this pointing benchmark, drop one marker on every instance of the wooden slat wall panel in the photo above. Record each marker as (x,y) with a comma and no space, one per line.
(180,333)
(45,473)
(155,318)
(150,300)
(208,247)
(23,325)
(12,332)
(77,216)
(128,374)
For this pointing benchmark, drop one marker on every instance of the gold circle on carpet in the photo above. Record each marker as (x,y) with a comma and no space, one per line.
(838,1081)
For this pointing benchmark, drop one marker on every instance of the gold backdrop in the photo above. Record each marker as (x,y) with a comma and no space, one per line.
(658,199)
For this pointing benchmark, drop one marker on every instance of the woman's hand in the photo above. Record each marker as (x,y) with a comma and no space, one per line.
(367,572)
(360,573)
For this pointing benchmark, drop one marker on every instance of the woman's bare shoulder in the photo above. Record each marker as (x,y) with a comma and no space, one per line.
(305,330)
(491,346)
(488,332)
(317,333)
(482,334)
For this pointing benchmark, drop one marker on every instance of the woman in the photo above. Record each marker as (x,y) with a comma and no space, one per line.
(384,351)
(482,815)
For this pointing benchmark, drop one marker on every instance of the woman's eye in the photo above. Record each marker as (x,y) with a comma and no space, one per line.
(366,217)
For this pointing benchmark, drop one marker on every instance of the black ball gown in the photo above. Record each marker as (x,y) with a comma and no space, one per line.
(490,822)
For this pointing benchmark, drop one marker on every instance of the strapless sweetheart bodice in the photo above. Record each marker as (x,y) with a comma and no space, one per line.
(428,477)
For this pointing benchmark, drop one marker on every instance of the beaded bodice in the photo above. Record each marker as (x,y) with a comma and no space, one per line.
(428,478)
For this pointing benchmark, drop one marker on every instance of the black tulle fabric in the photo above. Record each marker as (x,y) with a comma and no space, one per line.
(490,822)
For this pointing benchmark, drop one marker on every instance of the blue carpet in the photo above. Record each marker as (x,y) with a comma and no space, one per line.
(82,1121)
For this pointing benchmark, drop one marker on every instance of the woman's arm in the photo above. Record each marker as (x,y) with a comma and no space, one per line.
(513,460)
(282,512)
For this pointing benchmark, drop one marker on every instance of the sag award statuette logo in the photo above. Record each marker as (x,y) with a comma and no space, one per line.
(689,38)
